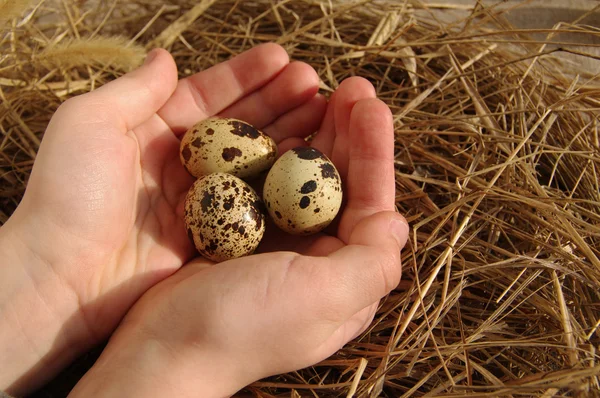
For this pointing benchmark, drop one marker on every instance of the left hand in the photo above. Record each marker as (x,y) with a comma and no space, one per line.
(102,217)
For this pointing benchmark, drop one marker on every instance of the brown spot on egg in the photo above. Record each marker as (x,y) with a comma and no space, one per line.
(198,143)
(212,246)
(186,153)
(308,187)
(243,130)
(304,202)
(328,171)
(241,230)
(278,214)
(230,153)
(255,213)
(210,131)
(229,202)
(190,234)
(317,210)
(307,153)
(206,201)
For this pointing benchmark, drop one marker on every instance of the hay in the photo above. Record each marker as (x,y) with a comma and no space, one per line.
(497,159)
(99,51)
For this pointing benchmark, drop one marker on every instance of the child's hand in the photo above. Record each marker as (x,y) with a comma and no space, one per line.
(209,330)
(101,220)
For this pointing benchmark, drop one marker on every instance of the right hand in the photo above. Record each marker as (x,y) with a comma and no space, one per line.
(209,330)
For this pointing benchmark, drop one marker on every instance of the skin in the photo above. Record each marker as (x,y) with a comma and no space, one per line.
(101,223)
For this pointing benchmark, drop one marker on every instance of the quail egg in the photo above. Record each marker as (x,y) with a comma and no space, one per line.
(303,191)
(228,146)
(224,217)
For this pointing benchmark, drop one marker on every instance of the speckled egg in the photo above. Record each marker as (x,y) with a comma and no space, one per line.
(227,146)
(303,191)
(224,217)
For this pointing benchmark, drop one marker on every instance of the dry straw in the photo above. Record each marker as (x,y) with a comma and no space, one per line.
(497,169)
(12,8)
(95,51)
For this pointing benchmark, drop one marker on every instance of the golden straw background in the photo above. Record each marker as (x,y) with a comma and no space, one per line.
(497,170)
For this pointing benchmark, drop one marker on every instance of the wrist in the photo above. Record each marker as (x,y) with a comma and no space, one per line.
(134,364)
(38,315)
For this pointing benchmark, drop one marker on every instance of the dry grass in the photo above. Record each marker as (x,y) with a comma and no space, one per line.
(12,8)
(96,51)
(498,171)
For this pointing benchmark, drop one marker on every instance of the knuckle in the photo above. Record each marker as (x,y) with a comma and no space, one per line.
(330,294)
(75,107)
(69,106)
(273,286)
(391,269)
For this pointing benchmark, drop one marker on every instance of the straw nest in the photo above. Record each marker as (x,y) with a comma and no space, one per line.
(497,170)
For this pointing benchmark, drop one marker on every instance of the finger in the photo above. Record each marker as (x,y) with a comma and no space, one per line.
(353,327)
(159,155)
(363,272)
(336,125)
(370,184)
(363,320)
(299,122)
(354,90)
(325,137)
(294,86)
(290,143)
(213,90)
(129,100)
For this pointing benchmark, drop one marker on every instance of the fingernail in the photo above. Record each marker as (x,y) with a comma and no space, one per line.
(150,57)
(399,229)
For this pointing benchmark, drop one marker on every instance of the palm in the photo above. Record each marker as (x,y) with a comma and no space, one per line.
(114,186)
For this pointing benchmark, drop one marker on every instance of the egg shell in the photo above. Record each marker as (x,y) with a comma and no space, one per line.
(228,146)
(303,191)
(224,217)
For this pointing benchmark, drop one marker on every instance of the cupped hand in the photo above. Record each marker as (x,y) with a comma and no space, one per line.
(103,208)
(211,329)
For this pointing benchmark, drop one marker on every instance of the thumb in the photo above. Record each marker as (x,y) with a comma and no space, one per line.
(369,267)
(385,230)
(132,98)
